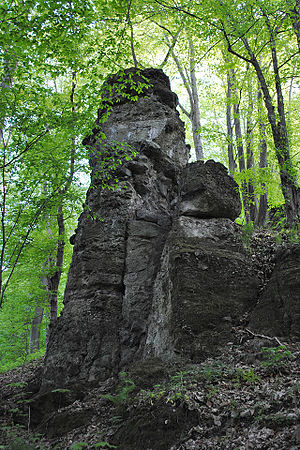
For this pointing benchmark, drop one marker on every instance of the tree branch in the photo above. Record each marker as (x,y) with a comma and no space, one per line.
(171,47)
(164,28)
(131,35)
(264,337)
(230,49)
(178,9)
(188,114)
(29,229)
(180,70)
(72,156)
(27,147)
(289,59)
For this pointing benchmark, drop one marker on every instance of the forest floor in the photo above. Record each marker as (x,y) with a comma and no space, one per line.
(246,398)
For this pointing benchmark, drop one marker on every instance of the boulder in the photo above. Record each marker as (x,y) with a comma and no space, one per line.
(207,191)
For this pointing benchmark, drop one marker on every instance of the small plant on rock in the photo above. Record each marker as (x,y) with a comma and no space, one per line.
(122,393)
(153,395)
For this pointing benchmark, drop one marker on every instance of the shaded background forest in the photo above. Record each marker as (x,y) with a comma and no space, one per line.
(235,68)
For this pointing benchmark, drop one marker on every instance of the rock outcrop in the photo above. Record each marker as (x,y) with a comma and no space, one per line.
(204,286)
(277,312)
(158,269)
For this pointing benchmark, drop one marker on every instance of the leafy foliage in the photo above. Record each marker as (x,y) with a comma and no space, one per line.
(276,357)
(123,391)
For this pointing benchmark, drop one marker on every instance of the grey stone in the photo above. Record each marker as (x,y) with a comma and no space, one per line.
(205,276)
(277,312)
(207,191)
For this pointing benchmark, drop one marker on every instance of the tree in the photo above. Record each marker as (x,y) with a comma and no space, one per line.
(188,76)
(54,57)
(26,295)
(263,163)
(276,115)
(239,26)
(43,43)
(43,121)
(230,149)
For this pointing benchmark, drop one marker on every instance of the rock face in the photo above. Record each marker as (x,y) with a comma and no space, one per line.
(204,286)
(157,269)
(278,310)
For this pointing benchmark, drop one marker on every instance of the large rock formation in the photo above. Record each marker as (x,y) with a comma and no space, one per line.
(157,269)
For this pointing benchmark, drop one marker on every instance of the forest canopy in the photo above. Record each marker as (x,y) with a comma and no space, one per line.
(235,66)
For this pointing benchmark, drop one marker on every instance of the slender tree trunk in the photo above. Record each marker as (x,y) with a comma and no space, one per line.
(50,282)
(54,280)
(240,148)
(195,109)
(135,61)
(191,88)
(263,200)
(289,108)
(241,159)
(35,330)
(231,160)
(250,160)
(263,163)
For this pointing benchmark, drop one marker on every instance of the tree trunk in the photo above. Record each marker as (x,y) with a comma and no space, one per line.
(35,331)
(280,136)
(263,163)
(240,148)
(191,88)
(250,160)
(231,160)
(54,280)
(50,284)
(263,200)
(195,109)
